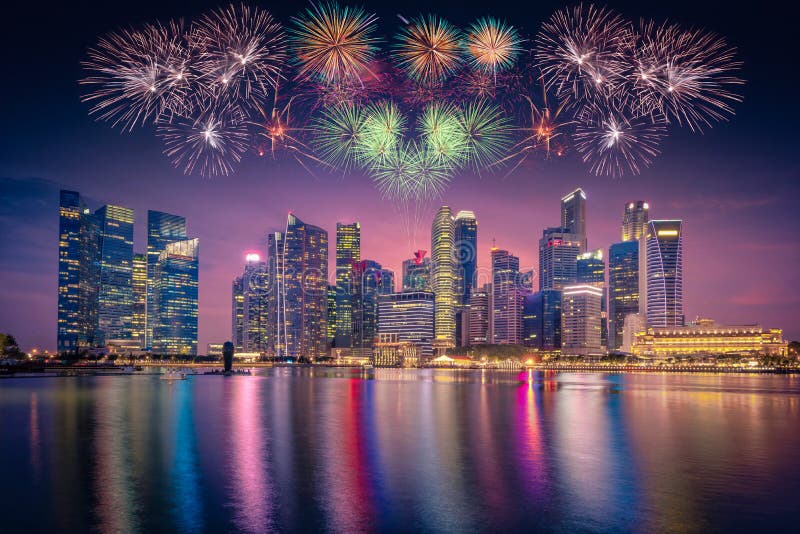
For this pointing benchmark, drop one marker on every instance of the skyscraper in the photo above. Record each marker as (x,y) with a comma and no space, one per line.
(348,254)
(623,288)
(409,315)
(444,277)
(551,319)
(478,323)
(373,280)
(299,300)
(661,273)
(237,313)
(417,272)
(573,215)
(506,299)
(558,255)
(580,320)
(591,270)
(175,295)
(250,296)
(115,291)
(532,320)
(77,274)
(162,229)
(634,220)
(276,306)
(331,313)
(466,245)
(139,307)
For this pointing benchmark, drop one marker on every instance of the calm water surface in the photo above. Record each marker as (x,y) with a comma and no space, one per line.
(401,451)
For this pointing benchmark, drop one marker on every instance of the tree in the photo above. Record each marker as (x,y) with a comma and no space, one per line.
(8,346)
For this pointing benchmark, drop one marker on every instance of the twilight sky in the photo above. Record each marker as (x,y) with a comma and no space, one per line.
(735,186)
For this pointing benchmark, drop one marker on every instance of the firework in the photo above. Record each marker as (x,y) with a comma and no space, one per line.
(332,43)
(210,144)
(686,75)
(433,173)
(136,76)
(429,49)
(383,129)
(485,131)
(410,171)
(443,133)
(339,132)
(612,141)
(493,45)
(581,51)
(395,175)
(243,52)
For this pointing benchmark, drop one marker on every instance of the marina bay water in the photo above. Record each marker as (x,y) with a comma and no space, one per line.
(347,450)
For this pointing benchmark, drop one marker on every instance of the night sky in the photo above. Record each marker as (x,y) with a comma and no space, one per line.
(736,187)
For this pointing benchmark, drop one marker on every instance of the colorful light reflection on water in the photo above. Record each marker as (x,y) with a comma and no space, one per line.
(393,450)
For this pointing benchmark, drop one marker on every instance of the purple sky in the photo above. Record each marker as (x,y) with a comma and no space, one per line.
(741,244)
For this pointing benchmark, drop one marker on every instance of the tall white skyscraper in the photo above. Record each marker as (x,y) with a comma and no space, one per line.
(661,273)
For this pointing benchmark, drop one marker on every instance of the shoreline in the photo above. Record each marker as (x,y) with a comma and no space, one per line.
(118,370)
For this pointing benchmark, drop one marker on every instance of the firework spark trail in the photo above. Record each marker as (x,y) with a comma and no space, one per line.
(688,76)
(209,144)
(242,53)
(613,141)
(339,133)
(581,51)
(333,43)
(443,134)
(136,75)
(429,49)
(485,131)
(493,45)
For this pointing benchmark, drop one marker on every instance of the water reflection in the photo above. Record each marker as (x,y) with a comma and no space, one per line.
(397,450)
(182,458)
(247,442)
(35,449)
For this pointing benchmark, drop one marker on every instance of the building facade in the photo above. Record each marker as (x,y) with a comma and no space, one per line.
(507,297)
(478,322)
(417,272)
(115,291)
(709,338)
(249,317)
(77,274)
(176,299)
(580,321)
(443,279)
(373,280)
(661,274)
(634,220)
(466,248)
(623,288)
(591,270)
(573,216)
(410,316)
(298,300)
(162,229)
(139,307)
(558,256)
(348,254)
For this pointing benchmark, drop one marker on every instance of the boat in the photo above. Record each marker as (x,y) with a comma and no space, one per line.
(173,375)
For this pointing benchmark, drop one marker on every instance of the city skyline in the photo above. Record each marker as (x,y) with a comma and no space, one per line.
(608,224)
